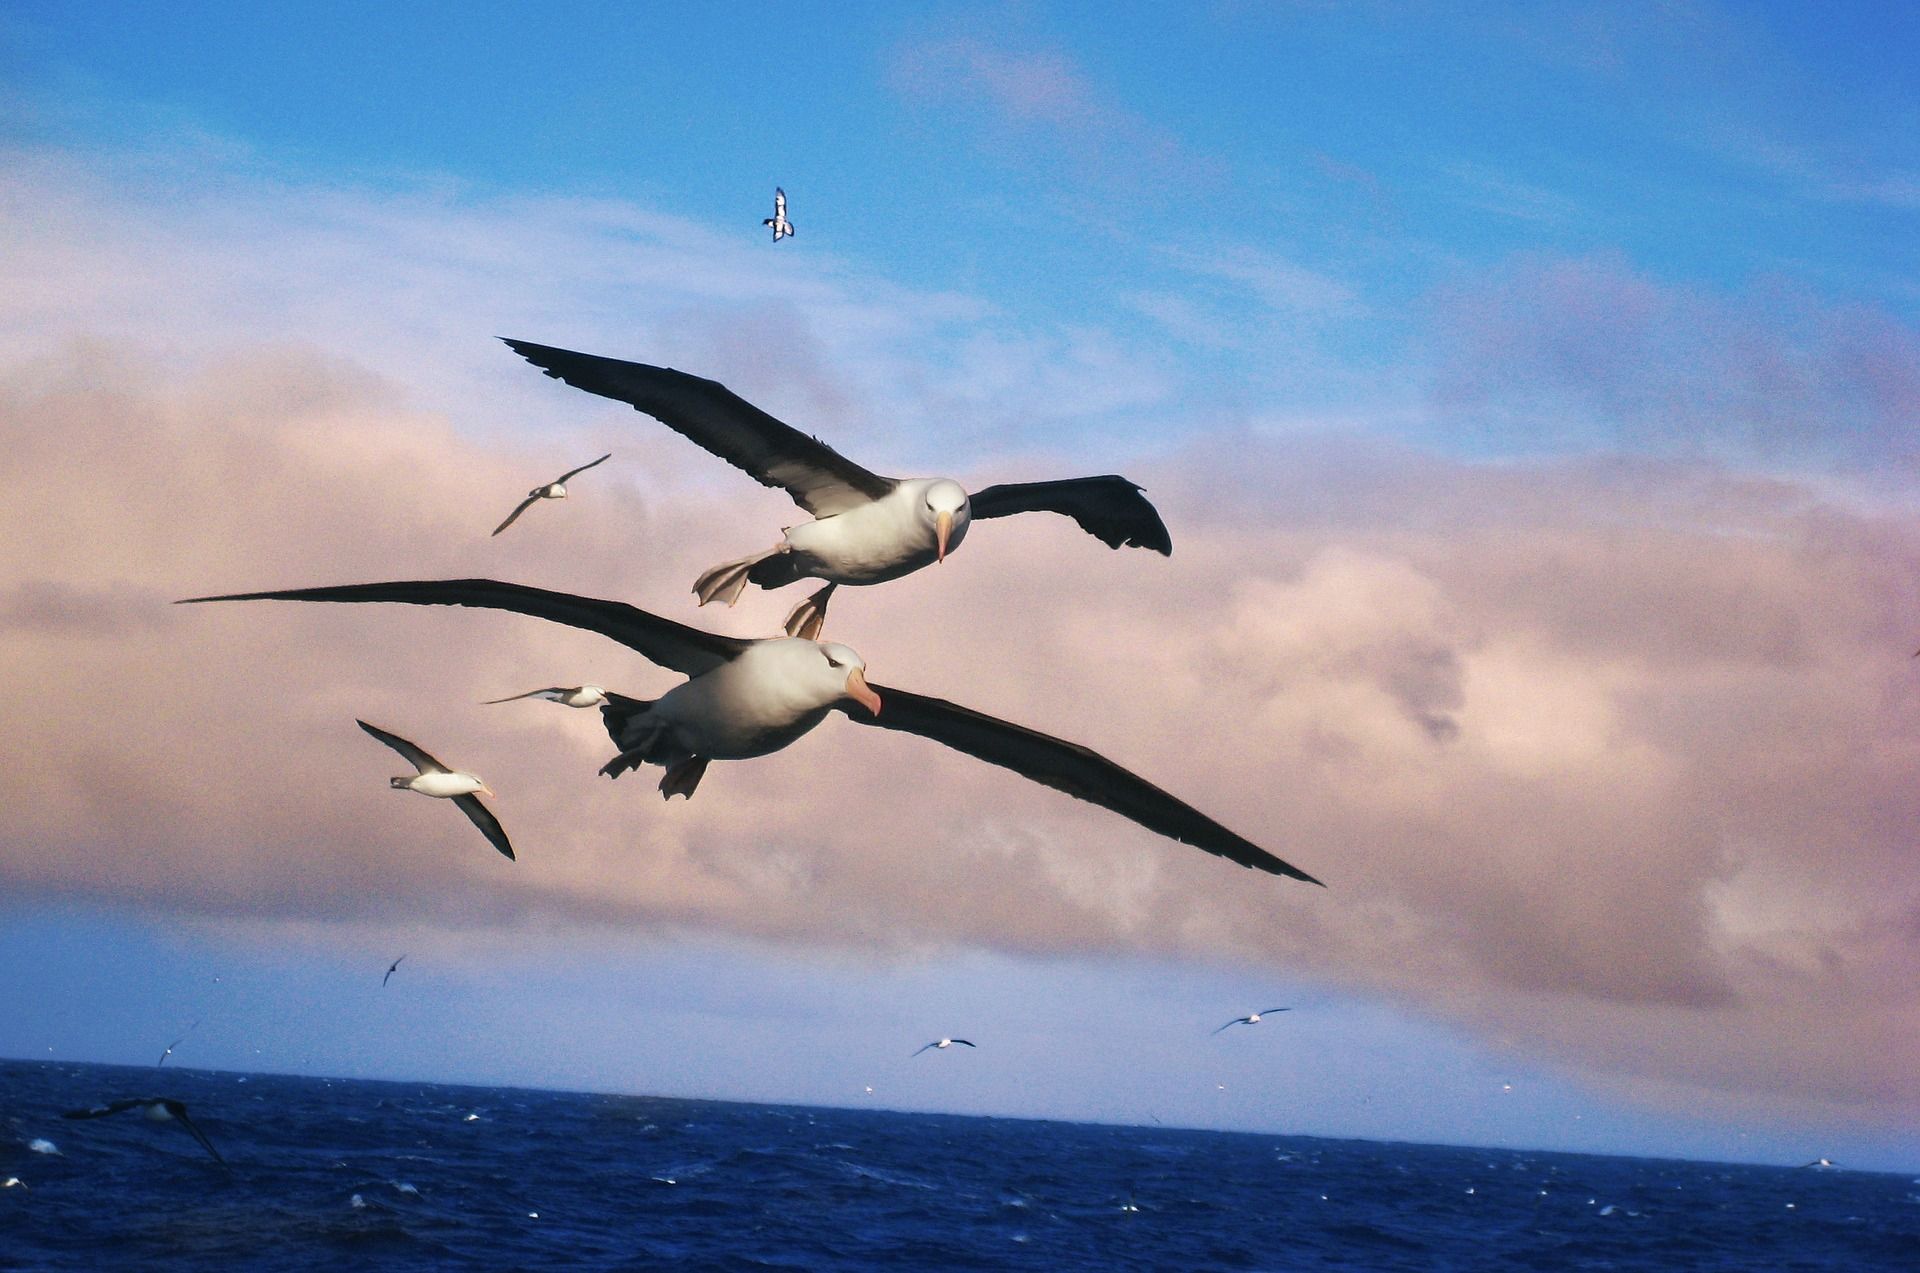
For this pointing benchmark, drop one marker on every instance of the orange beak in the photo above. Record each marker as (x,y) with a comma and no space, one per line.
(857,691)
(943,528)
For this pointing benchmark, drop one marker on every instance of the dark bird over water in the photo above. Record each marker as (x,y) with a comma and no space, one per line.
(748,698)
(435,779)
(866,529)
(1252,1018)
(556,489)
(392,967)
(938,1043)
(160,1109)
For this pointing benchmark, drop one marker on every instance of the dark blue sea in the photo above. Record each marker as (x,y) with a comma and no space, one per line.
(340,1174)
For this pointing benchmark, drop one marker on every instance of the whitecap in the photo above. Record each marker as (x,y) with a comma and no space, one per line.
(356,1201)
(401,1186)
(41,1146)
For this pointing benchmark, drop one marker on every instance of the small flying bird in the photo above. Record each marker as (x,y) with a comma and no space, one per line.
(1252,1018)
(782,228)
(746,698)
(176,1043)
(571,696)
(1820,1162)
(556,489)
(866,529)
(941,1044)
(435,779)
(395,965)
(160,1109)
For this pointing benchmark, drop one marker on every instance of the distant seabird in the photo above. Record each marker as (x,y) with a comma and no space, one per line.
(1252,1017)
(782,228)
(395,965)
(435,779)
(1820,1162)
(866,529)
(572,696)
(160,1109)
(176,1043)
(939,1043)
(556,489)
(748,698)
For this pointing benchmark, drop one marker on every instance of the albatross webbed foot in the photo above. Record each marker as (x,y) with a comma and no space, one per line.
(810,615)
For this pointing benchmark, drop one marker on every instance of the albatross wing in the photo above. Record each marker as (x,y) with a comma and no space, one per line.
(416,756)
(1069,767)
(685,650)
(482,817)
(819,478)
(1110,508)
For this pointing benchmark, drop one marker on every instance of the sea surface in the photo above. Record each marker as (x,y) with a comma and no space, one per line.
(349,1174)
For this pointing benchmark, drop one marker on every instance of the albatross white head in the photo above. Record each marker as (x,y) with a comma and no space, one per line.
(946,506)
(846,675)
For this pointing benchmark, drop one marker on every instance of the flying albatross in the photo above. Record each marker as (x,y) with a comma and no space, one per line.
(569,695)
(942,1044)
(782,228)
(161,1109)
(435,779)
(1252,1018)
(866,529)
(556,489)
(747,698)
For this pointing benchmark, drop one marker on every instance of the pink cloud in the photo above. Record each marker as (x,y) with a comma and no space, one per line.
(1586,753)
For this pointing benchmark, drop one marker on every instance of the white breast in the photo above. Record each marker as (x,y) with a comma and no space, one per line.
(445,785)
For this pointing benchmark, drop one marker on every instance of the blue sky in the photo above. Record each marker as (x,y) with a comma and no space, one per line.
(1395,289)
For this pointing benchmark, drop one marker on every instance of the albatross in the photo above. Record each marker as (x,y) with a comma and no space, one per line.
(435,779)
(160,1109)
(567,695)
(866,529)
(746,698)
(556,489)
(1252,1018)
(942,1044)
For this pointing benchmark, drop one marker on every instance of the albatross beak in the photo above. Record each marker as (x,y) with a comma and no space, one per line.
(857,691)
(943,526)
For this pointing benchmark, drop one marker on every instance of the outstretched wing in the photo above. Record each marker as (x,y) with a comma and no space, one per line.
(514,698)
(514,516)
(482,817)
(685,650)
(916,1052)
(819,478)
(1069,767)
(101,1111)
(570,473)
(1235,1021)
(1110,508)
(416,757)
(960,1041)
(1267,1012)
(180,1115)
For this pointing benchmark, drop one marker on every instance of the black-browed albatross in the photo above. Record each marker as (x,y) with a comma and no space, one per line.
(567,695)
(941,1044)
(556,489)
(435,779)
(866,529)
(160,1109)
(1252,1018)
(747,698)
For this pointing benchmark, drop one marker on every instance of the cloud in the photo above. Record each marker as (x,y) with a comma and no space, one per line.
(1557,350)
(1616,757)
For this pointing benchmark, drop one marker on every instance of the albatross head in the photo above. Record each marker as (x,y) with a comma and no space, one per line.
(947,505)
(851,671)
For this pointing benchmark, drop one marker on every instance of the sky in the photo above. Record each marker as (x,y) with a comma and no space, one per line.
(1530,394)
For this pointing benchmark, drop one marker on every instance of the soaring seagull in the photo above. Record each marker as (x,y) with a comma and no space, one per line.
(866,529)
(938,1043)
(161,1109)
(782,228)
(748,698)
(435,779)
(1252,1018)
(556,489)
(570,695)
(395,965)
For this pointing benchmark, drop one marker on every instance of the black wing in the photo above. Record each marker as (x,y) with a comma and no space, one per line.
(391,969)
(1110,508)
(819,478)
(1068,767)
(1235,1021)
(688,651)
(1267,1012)
(416,757)
(916,1052)
(959,1041)
(180,1114)
(482,817)
(101,1111)
(583,468)
(514,516)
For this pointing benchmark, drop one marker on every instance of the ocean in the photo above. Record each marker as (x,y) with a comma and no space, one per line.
(352,1174)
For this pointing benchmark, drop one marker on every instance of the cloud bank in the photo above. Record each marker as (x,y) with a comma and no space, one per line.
(1614,755)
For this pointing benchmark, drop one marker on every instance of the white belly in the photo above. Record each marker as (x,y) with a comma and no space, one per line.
(874,542)
(732,712)
(445,785)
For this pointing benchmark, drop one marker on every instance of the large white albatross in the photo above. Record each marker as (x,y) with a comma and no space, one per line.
(556,489)
(747,698)
(435,779)
(866,529)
